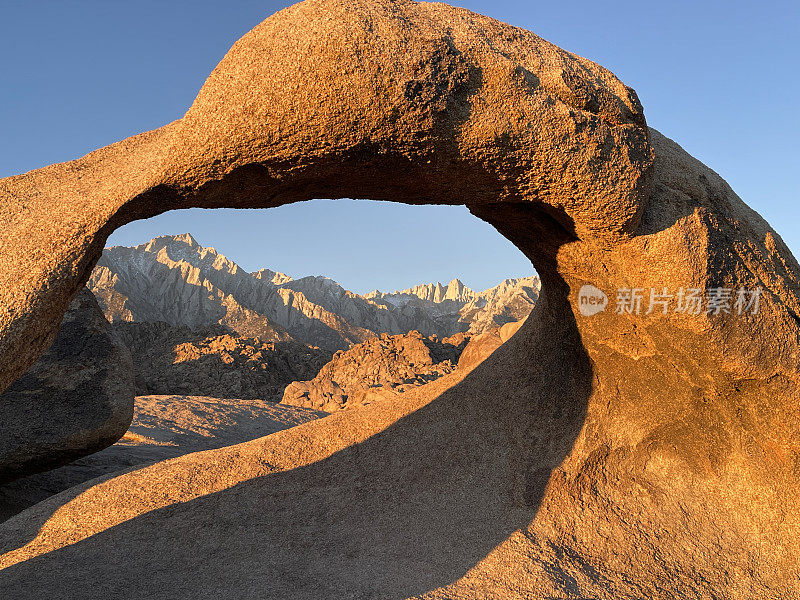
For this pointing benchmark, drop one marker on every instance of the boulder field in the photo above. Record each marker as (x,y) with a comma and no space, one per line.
(647,450)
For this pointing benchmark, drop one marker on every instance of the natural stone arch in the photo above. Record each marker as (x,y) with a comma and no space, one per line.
(626,434)
(389,100)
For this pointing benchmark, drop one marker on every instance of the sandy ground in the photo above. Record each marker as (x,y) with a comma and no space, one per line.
(163,427)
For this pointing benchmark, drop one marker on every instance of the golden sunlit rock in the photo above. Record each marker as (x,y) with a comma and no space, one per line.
(641,451)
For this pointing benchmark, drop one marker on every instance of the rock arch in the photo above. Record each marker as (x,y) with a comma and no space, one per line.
(638,453)
(463,110)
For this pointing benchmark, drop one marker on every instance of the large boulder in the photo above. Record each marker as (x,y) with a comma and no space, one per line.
(482,345)
(602,452)
(75,400)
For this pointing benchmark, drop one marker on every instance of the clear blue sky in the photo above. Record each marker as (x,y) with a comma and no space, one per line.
(721,78)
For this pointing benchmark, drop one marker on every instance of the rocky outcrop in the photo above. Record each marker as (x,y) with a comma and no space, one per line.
(378,368)
(176,280)
(480,347)
(212,361)
(77,398)
(622,454)
(163,427)
(451,96)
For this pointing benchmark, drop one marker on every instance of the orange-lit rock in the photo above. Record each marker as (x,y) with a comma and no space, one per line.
(616,456)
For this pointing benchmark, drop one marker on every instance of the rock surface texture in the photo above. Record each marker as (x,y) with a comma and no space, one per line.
(77,398)
(619,456)
(378,368)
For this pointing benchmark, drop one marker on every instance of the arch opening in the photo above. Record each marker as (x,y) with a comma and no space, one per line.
(527,136)
(184,309)
(488,476)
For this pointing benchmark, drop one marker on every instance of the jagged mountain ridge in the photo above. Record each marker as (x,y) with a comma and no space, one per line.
(176,280)
(507,302)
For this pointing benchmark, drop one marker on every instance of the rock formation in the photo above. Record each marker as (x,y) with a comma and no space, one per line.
(176,280)
(211,361)
(480,347)
(378,368)
(623,455)
(163,427)
(75,400)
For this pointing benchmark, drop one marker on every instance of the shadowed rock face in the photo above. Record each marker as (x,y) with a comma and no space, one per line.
(612,456)
(163,427)
(77,398)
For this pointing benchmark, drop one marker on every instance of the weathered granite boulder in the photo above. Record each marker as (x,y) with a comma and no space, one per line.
(482,345)
(75,400)
(620,452)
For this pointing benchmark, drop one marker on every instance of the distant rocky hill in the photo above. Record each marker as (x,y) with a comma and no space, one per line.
(392,364)
(212,361)
(456,308)
(378,368)
(175,280)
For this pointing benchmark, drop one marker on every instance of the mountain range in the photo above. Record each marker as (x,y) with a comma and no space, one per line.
(174,279)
